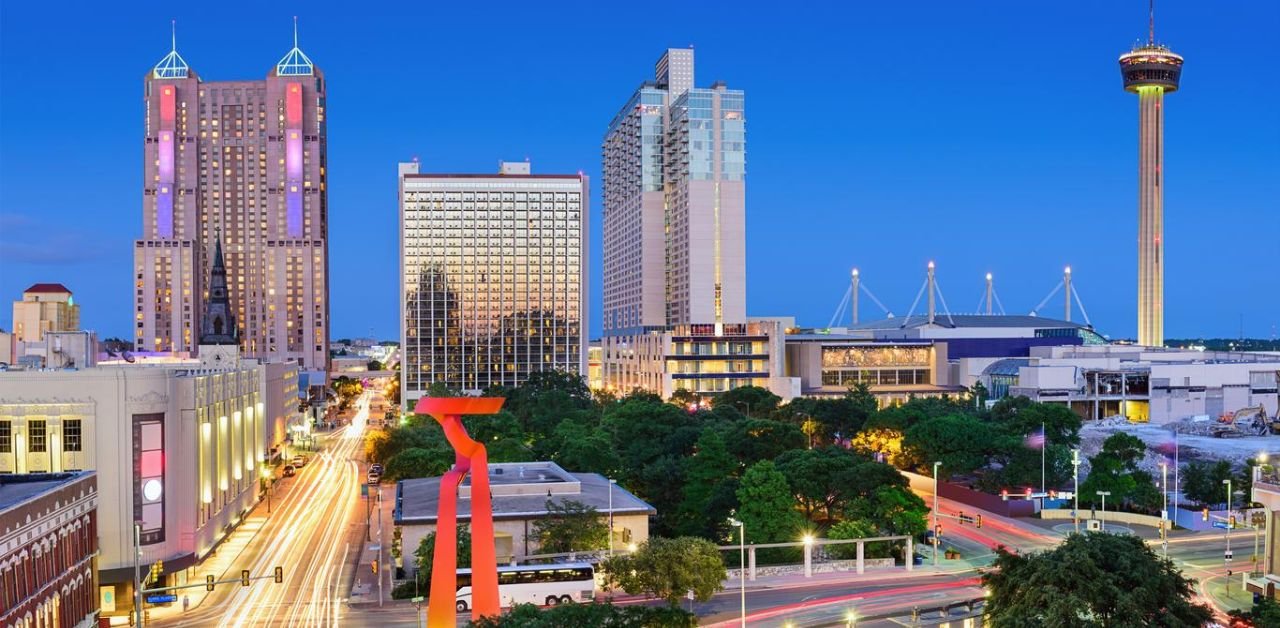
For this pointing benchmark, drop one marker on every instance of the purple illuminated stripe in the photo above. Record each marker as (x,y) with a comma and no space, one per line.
(293,176)
(164,210)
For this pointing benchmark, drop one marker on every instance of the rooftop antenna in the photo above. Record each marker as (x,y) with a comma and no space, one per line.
(1151,22)
(295,31)
(173,32)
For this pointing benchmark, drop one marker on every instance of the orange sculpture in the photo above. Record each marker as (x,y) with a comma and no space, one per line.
(470,458)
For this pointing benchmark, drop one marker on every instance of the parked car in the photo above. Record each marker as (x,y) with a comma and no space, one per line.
(374,477)
(375,468)
(288,471)
(299,461)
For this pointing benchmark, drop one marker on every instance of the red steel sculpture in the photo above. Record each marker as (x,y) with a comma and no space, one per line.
(471,458)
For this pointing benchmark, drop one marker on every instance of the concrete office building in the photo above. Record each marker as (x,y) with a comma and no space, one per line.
(1151,71)
(493,270)
(1140,383)
(675,243)
(244,161)
(48,540)
(44,307)
(521,491)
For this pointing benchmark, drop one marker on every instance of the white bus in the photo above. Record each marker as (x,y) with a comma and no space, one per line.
(536,584)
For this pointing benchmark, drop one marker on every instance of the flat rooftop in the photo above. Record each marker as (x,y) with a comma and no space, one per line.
(18,488)
(520,491)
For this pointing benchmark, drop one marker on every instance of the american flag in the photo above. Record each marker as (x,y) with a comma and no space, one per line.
(1035,440)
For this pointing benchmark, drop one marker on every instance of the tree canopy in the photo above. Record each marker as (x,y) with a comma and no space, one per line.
(1094,579)
(668,568)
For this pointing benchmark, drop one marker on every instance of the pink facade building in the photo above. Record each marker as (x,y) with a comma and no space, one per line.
(244,161)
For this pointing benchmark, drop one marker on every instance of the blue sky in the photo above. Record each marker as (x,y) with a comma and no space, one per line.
(991,136)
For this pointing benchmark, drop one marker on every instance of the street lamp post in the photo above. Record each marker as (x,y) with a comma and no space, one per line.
(1075,496)
(1226,532)
(936,540)
(1104,494)
(742,566)
(611,483)
(1164,512)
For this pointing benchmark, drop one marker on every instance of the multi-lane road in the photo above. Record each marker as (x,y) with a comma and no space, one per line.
(313,530)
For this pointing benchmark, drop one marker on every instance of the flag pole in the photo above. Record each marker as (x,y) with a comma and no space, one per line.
(1044,444)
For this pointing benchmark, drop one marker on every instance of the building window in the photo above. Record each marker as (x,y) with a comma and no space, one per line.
(71,428)
(39,444)
(6,437)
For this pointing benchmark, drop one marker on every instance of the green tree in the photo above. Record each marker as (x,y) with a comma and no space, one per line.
(593,614)
(546,398)
(705,471)
(960,442)
(766,506)
(1202,482)
(570,526)
(418,463)
(1094,579)
(424,555)
(374,365)
(579,447)
(895,509)
(1020,416)
(668,568)
(753,401)
(1264,614)
(857,529)
(1115,469)
(820,479)
(753,440)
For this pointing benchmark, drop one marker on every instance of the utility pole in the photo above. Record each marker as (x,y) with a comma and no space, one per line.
(137,574)
(380,561)
(936,540)
(1164,512)
(1104,494)
(1226,558)
(1075,495)
(611,483)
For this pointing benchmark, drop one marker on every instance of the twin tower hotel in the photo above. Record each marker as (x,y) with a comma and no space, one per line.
(494,266)
(244,162)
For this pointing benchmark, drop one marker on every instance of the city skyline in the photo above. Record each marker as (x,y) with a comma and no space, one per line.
(968,163)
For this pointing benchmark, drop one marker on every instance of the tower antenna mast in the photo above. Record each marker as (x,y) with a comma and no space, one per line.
(1151,22)
(295,30)
(173,33)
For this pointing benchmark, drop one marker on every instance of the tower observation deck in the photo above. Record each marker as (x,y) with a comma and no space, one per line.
(1151,71)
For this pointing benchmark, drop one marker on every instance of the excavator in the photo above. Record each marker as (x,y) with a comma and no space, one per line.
(1251,421)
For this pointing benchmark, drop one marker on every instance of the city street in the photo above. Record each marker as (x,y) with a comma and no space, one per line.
(313,531)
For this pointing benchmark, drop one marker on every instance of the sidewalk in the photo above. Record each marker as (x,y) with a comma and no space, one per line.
(364,589)
(1238,598)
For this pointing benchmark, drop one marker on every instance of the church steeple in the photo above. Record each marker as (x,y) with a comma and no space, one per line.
(218,326)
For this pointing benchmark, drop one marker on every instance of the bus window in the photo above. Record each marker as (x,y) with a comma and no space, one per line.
(464,580)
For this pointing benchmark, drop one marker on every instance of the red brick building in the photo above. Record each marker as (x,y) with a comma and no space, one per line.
(48,546)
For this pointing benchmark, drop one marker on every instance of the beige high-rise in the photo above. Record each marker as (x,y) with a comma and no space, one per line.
(246,161)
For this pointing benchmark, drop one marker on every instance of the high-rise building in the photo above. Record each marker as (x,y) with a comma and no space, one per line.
(246,160)
(675,242)
(1151,71)
(44,307)
(492,277)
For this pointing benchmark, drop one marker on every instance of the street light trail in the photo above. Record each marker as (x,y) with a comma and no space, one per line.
(320,512)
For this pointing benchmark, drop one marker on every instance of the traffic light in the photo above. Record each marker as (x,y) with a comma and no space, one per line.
(279,575)
(1028,492)
(244,577)
(1232,524)
(937,530)
(1204,515)
(208,583)
(979,521)
(375,565)
(1004,494)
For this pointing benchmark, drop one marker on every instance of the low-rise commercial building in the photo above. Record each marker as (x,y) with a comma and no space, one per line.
(176,448)
(520,492)
(48,541)
(1140,383)
(828,365)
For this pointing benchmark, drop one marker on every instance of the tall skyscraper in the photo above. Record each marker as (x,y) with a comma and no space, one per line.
(675,241)
(492,277)
(1151,71)
(246,160)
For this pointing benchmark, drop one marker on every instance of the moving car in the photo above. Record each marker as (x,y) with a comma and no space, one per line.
(299,461)
(375,468)
(288,471)
(374,477)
